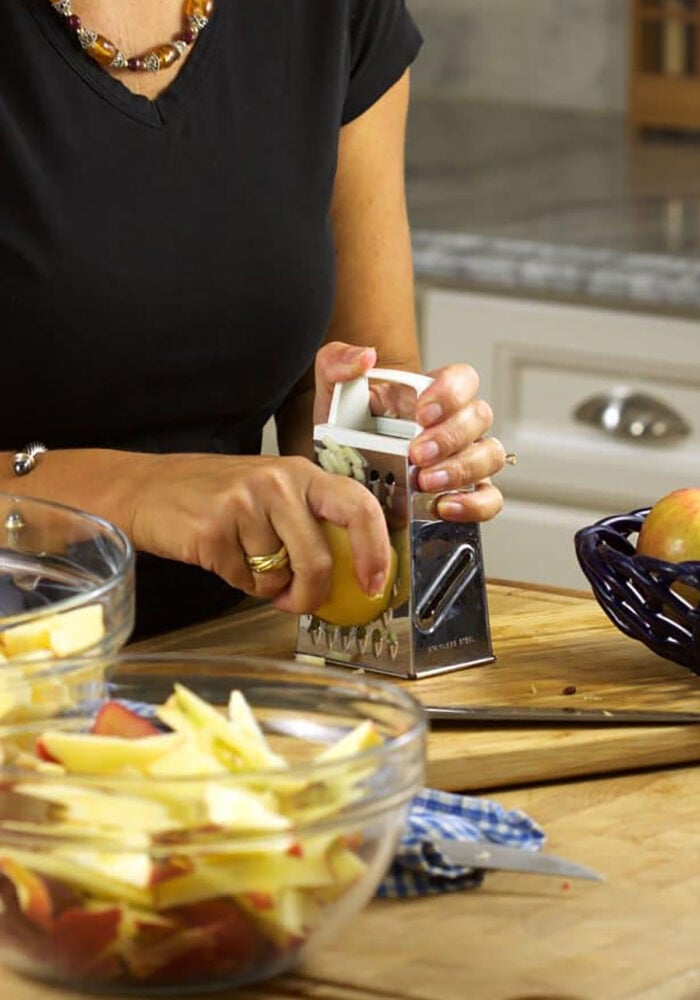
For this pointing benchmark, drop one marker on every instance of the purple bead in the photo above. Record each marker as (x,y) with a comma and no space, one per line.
(135,65)
(188,36)
(73,22)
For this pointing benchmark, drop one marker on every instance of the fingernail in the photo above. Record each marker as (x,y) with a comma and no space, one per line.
(426,452)
(434,481)
(449,509)
(430,414)
(376,584)
(354,354)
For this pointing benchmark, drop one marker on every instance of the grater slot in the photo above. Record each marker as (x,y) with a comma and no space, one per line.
(449,583)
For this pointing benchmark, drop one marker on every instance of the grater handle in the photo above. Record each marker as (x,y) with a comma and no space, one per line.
(350,402)
(413,379)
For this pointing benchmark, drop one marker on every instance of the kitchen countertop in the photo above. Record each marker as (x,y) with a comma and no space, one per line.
(556,203)
(577,647)
(632,937)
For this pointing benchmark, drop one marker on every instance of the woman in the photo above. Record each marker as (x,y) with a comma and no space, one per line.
(189,249)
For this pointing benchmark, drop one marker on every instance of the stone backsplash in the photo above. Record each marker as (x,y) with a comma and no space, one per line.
(560,53)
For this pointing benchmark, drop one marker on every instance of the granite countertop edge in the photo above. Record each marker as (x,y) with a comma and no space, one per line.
(640,280)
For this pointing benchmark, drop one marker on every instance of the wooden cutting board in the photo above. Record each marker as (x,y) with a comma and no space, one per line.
(545,641)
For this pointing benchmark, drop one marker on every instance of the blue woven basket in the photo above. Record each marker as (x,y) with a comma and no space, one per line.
(635,591)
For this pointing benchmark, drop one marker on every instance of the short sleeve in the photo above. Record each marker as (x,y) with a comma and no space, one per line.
(384,41)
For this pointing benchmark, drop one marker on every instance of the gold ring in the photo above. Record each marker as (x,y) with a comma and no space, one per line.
(511,458)
(265,564)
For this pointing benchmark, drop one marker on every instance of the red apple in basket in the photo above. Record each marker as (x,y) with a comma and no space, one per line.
(671,531)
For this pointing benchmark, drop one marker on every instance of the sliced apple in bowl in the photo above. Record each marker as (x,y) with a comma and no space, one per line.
(169,844)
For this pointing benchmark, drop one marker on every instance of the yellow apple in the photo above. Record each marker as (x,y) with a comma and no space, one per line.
(401,543)
(347,602)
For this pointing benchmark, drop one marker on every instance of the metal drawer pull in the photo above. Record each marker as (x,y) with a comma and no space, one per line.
(632,415)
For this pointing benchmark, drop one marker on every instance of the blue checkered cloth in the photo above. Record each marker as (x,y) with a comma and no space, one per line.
(419,869)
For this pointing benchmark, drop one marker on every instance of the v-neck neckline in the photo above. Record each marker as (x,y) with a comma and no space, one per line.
(155,112)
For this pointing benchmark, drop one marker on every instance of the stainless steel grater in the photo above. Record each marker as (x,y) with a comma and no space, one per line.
(437,620)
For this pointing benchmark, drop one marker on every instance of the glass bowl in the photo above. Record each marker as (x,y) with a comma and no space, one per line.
(66,588)
(218,857)
(649,599)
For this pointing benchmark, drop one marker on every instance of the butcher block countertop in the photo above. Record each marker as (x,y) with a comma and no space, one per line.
(634,936)
(545,641)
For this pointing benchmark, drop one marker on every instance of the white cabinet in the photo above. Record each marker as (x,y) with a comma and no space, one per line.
(538,363)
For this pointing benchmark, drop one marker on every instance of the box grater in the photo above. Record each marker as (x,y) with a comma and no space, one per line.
(437,620)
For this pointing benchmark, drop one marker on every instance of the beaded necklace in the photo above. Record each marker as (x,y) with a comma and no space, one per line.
(196,14)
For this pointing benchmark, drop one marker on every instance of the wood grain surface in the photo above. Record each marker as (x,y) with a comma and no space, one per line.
(525,937)
(545,641)
(528,937)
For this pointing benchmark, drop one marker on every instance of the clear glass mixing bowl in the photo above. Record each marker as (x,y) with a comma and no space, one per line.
(167,875)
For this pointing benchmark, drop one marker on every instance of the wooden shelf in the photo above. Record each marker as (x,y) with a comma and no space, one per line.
(665,64)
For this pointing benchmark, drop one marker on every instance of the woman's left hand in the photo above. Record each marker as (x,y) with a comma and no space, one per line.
(452,452)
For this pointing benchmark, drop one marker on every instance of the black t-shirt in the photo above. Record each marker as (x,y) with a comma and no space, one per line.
(167,267)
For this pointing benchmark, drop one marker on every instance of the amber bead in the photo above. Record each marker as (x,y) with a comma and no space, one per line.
(102,51)
(199,8)
(166,55)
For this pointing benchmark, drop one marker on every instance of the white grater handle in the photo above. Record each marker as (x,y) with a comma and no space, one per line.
(350,401)
(414,379)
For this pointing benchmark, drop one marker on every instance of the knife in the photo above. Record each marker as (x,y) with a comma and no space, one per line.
(495,857)
(517,714)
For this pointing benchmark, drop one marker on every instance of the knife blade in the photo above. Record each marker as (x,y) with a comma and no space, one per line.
(496,857)
(560,716)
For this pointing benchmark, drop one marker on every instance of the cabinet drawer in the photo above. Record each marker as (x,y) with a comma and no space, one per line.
(539,361)
(534,542)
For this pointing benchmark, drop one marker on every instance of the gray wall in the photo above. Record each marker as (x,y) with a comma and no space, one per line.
(561,53)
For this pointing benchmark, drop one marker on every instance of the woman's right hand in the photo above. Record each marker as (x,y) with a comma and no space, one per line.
(214,510)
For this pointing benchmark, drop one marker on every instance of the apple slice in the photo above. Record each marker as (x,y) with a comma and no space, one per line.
(199,940)
(23,639)
(33,896)
(241,716)
(134,868)
(229,927)
(186,760)
(233,746)
(81,870)
(88,754)
(79,938)
(77,630)
(287,918)
(361,738)
(15,695)
(235,873)
(178,956)
(242,810)
(94,808)
(115,719)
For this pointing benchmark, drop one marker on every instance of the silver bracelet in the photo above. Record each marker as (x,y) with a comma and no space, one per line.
(25,460)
